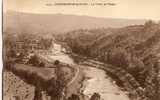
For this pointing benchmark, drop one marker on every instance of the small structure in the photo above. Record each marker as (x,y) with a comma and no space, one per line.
(20,46)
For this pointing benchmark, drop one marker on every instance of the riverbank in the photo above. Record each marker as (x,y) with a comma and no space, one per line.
(75,84)
(79,82)
(127,81)
(97,81)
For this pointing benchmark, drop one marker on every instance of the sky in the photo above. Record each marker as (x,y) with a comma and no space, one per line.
(130,9)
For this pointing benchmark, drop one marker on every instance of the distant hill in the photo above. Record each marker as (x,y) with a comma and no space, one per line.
(18,22)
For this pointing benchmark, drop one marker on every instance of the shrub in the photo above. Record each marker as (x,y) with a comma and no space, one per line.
(74,97)
(34,60)
(56,62)
(8,63)
(41,64)
(20,57)
(95,96)
(118,57)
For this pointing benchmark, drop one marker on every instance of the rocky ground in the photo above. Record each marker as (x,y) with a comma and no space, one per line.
(16,89)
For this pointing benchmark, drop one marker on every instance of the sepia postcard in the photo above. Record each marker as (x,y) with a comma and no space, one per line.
(81,50)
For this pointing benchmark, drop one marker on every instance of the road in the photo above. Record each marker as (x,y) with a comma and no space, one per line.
(75,77)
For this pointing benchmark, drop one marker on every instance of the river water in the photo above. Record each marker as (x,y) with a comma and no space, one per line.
(97,80)
(101,83)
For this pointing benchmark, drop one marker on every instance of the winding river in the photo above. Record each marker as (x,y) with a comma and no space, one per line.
(96,81)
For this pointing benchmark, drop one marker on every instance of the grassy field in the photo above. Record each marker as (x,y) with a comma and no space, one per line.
(45,73)
(15,85)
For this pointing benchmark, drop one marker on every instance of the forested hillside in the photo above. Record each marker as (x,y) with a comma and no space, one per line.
(134,48)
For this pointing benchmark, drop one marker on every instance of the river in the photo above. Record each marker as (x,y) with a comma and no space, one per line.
(96,81)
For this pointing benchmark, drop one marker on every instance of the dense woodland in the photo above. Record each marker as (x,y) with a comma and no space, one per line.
(133,48)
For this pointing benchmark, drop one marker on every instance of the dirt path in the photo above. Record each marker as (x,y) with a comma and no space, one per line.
(75,77)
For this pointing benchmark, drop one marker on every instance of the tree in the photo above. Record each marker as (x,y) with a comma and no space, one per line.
(41,64)
(57,85)
(119,57)
(95,96)
(45,43)
(74,97)
(152,81)
(148,23)
(34,60)
(56,62)
(37,94)
(137,69)
(8,47)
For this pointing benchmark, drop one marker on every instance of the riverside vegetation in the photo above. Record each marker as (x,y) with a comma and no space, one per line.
(34,71)
(132,48)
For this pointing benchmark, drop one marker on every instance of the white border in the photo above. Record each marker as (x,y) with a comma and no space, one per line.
(1,64)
